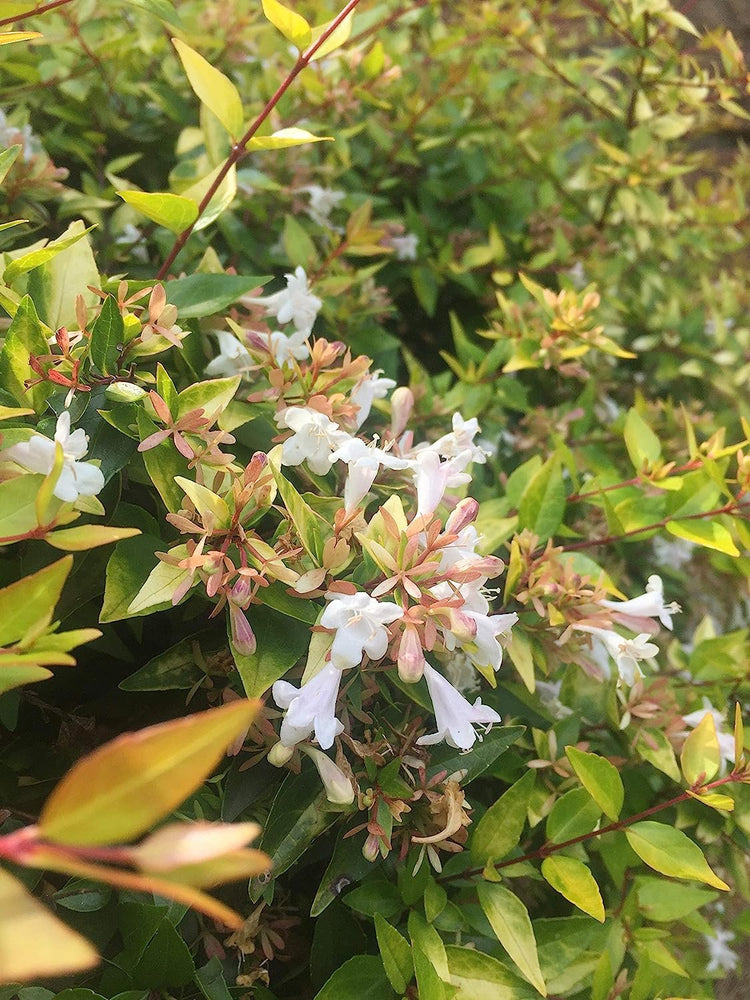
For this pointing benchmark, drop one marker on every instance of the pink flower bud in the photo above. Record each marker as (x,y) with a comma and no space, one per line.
(371,848)
(464,513)
(402,403)
(243,637)
(410,656)
(240,592)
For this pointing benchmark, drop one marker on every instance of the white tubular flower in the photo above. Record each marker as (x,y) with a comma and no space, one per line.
(485,650)
(648,605)
(311,708)
(339,789)
(232,358)
(363,462)
(76,478)
(405,247)
(314,441)
(360,623)
(369,388)
(627,653)
(460,441)
(284,348)
(433,477)
(322,203)
(455,717)
(296,303)
(721,958)
(726,740)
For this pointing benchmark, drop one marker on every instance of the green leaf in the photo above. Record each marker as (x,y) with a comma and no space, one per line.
(33,942)
(510,921)
(376,896)
(480,757)
(30,602)
(643,445)
(291,25)
(281,643)
(429,983)
(286,137)
(542,503)
(701,757)
(654,747)
(347,863)
(573,880)
(163,464)
(107,333)
(124,787)
(127,570)
(481,977)
(221,198)
(176,669)
(169,210)
(201,295)
(161,583)
(499,830)
(709,534)
(161,8)
(210,85)
(671,852)
(18,507)
(25,337)
(573,814)
(600,779)
(7,158)
(669,901)
(35,258)
(17,675)
(361,978)
(300,812)
(307,524)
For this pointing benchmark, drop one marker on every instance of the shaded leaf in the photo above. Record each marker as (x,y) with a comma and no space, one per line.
(600,779)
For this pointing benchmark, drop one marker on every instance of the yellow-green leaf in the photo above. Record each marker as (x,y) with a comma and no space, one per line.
(30,602)
(396,954)
(291,25)
(210,85)
(286,137)
(499,830)
(600,779)
(671,852)
(124,787)
(35,258)
(33,942)
(337,38)
(88,536)
(573,880)
(173,211)
(8,37)
(510,921)
(701,757)
(710,534)
(642,444)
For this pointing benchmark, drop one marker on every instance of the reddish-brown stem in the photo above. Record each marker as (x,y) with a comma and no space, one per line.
(547,849)
(635,481)
(32,13)
(591,543)
(239,150)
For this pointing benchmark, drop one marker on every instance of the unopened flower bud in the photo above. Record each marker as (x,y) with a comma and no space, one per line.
(243,637)
(371,848)
(338,787)
(402,403)
(278,755)
(240,592)
(464,513)
(410,656)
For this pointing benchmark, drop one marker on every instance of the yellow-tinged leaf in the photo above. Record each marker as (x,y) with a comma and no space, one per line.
(29,603)
(127,785)
(671,852)
(210,85)
(714,799)
(291,25)
(232,867)
(207,503)
(519,649)
(710,534)
(510,921)
(286,137)
(179,844)
(9,412)
(173,211)
(573,880)
(88,536)
(337,38)
(739,734)
(33,942)
(701,757)
(8,37)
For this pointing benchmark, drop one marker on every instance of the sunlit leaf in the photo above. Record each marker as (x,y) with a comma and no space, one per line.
(172,211)
(286,137)
(212,87)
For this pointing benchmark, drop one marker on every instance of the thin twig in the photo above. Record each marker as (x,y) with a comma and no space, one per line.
(239,150)
(33,13)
